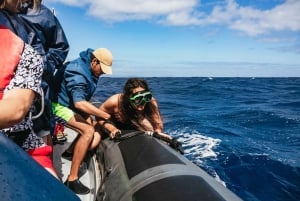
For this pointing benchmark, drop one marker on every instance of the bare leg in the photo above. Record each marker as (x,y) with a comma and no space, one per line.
(94,144)
(70,149)
(96,140)
(81,145)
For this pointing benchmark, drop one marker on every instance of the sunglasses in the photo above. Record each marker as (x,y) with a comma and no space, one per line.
(141,98)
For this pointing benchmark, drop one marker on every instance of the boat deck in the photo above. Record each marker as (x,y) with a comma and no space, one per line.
(87,170)
(149,172)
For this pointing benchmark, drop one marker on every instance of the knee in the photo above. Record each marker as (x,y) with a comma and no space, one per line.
(88,133)
(96,141)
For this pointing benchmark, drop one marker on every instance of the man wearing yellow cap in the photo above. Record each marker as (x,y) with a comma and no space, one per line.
(70,102)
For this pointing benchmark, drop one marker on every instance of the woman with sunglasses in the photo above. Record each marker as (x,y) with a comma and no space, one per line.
(134,109)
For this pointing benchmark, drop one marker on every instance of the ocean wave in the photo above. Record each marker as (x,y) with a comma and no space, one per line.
(251,172)
(244,132)
(199,149)
(197,146)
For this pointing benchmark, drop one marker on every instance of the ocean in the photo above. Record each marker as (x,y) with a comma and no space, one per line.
(245,132)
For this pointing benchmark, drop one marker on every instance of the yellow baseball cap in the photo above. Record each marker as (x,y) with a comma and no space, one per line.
(105,58)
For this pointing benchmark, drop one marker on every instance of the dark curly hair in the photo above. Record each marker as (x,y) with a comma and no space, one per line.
(129,113)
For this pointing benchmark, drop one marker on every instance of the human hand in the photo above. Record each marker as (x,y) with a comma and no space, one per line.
(175,144)
(164,135)
(114,133)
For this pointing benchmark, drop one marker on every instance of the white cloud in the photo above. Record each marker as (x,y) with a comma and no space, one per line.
(116,10)
(71,2)
(254,22)
(249,20)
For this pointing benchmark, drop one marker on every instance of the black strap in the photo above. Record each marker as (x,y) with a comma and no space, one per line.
(126,134)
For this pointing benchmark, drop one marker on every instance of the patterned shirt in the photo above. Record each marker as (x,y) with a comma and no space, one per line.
(28,75)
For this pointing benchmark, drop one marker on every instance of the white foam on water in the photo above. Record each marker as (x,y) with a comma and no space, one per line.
(219,179)
(198,147)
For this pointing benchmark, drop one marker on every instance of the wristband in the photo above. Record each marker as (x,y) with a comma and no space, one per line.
(107,122)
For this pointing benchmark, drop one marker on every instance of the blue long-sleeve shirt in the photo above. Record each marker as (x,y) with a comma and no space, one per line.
(77,82)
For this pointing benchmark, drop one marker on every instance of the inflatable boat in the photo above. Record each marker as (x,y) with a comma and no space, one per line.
(22,179)
(135,167)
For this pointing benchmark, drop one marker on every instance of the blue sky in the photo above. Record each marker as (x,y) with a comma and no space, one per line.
(187,38)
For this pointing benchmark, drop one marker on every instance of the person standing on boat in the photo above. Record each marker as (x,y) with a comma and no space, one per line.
(134,109)
(54,52)
(22,133)
(20,80)
(70,102)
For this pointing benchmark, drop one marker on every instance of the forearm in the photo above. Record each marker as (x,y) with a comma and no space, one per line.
(158,126)
(108,127)
(14,106)
(90,109)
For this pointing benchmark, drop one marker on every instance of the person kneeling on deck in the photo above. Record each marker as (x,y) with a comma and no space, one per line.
(70,102)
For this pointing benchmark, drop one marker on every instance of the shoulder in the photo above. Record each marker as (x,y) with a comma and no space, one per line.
(154,102)
(44,11)
(111,102)
(48,13)
(114,99)
(74,65)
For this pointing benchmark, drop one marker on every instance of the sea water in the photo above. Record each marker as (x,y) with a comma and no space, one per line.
(245,132)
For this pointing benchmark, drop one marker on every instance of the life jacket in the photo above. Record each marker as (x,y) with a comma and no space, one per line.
(11,48)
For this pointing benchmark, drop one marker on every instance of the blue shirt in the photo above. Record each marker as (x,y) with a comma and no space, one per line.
(77,82)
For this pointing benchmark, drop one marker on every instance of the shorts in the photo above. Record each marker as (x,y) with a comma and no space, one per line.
(62,112)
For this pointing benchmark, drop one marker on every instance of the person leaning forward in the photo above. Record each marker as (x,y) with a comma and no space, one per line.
(70,102)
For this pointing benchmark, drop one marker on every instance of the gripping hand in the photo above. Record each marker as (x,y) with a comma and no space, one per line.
(175,144)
